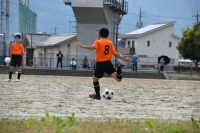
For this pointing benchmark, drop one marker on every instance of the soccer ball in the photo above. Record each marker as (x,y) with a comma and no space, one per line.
(7,60)
(108,94)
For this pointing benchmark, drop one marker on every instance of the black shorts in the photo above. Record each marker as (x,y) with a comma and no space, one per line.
(102,67)
(16,60)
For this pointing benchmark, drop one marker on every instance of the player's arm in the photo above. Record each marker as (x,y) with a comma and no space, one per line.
(22,53)
(84,46)
(22,58)
(11,50)
(122,58)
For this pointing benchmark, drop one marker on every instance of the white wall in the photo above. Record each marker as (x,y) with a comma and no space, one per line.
(159,43)
(49,54)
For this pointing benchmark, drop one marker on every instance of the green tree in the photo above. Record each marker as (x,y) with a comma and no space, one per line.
(189,45)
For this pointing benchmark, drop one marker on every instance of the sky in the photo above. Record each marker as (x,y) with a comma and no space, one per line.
(54,13)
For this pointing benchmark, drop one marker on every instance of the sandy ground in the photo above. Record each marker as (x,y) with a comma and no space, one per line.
(133,98)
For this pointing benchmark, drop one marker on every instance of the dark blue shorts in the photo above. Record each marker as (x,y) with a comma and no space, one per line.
(102,67)
(16,60)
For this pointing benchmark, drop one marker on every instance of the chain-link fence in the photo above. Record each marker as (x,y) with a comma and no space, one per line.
(49,60)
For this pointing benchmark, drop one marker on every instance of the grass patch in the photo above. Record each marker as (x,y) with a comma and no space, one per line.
(53,124)
(189,75)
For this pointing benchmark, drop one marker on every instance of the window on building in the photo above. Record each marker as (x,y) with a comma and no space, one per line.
(122,43)
(142,56)
(68,49)
(170,44)
(129,42)
(133,44)
(148,43)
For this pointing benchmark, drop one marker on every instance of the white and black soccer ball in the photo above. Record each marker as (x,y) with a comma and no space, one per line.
(108,94)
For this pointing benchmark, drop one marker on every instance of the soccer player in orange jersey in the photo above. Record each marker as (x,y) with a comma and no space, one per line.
(104,52)
(16,58)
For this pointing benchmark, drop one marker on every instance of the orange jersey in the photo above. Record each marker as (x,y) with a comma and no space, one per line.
(17,49)
(104,50)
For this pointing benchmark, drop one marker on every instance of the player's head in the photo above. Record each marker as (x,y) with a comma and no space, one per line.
(60,51)
(17,38)
(104,32)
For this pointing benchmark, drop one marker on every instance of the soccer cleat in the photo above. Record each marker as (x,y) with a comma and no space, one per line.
(93,96)
(7,80)
(17,80)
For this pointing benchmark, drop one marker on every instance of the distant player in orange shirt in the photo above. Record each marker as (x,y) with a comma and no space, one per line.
(104,52)
(16,58)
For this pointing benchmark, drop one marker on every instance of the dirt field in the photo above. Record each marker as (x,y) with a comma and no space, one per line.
(133,98)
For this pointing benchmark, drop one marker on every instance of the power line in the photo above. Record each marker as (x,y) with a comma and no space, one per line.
(196,16)
(49,10)
(152,19)
(174,17)
(161,20)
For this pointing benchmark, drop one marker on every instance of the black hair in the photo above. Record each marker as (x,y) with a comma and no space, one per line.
(18,36)
(104,32)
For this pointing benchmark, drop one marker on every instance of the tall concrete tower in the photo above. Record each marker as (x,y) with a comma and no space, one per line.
(91,16)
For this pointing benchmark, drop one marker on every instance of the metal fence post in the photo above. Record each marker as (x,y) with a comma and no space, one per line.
(50,63)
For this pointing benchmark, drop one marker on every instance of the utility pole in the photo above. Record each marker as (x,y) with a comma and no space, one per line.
(117,22)
(1,19)
(140,23)
(197,16)
(55,29)
(70,21)
(7,25)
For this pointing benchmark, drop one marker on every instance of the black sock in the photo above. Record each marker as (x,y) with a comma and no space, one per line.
(19,74)
(10,74)
(97,88)
(119,73)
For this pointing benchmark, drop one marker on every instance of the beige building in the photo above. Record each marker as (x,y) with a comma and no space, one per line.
(41,49)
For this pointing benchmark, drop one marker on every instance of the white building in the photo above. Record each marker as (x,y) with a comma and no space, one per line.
(42,48)
(151,41)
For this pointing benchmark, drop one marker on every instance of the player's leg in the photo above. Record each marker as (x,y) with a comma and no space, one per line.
(96,95)
(19,67)
(117,75)
(110,70)
(96,86)
(12,64)
(10,73)
(98,73)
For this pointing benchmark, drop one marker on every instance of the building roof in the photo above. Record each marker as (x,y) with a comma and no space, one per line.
(45,40)
(148,29)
